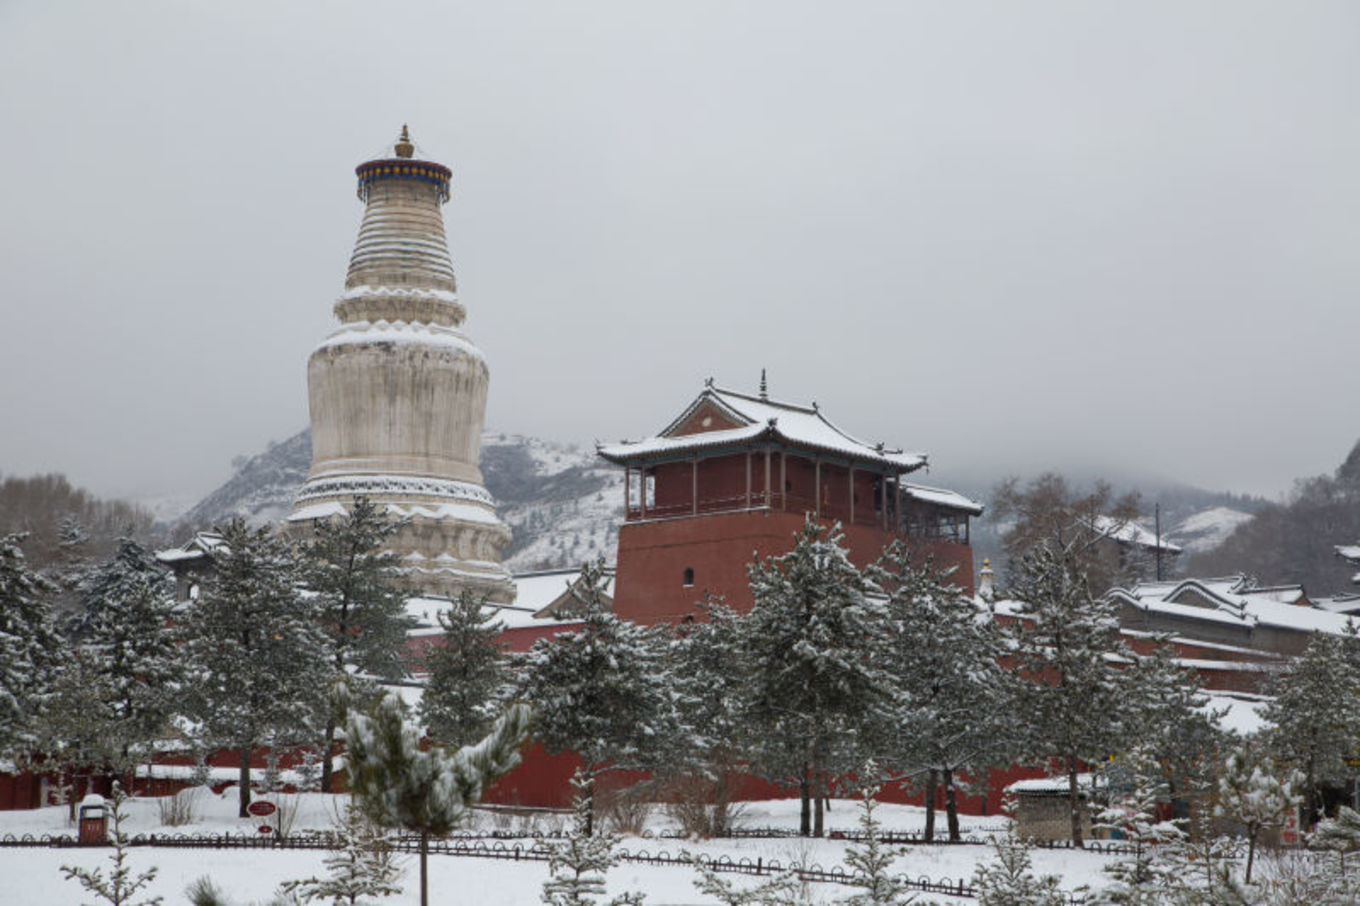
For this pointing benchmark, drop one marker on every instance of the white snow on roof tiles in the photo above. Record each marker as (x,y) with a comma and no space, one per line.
(1234,600)
(797,425)
(1131,532)
(942,497)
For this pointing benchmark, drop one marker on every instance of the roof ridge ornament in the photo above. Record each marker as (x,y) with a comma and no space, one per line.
(764,388)
(708,382)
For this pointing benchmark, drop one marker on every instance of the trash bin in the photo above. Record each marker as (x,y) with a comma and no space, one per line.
(93,816)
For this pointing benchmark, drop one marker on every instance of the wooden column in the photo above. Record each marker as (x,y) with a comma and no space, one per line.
(627,492)
(883,498)
(769,501)
(642,491)
(852,495)
(694,484)
(784,479)
(748,479)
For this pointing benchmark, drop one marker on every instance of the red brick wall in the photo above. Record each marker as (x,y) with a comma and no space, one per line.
(653,557)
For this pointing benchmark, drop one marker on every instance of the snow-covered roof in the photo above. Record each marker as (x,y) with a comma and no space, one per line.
(1130,532)
(942,498)
(534,594)
(1235,600)
(1053,786)
(202,545)
(760,418)
(1242,713)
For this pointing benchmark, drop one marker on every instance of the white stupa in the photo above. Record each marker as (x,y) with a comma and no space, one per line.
(398,393)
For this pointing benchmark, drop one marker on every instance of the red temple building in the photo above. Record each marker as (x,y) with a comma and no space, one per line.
(733,477)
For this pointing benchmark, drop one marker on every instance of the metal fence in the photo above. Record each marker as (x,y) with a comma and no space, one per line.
(511,848)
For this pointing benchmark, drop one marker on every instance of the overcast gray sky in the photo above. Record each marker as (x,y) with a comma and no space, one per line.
(1091,235)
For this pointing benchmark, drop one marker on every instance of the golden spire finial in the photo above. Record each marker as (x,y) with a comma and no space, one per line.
(404,146)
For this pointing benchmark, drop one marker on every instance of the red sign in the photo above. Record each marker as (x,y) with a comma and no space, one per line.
(261,809)
(265,829)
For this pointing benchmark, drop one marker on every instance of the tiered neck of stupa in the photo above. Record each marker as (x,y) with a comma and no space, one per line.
(401,269)
(398,392)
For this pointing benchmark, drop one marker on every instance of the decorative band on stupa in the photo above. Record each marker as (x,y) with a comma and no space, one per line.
(398,393)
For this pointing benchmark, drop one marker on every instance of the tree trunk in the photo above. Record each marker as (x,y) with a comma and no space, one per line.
(1251,855)
(328,759)
(245,781)
(951,805)
(805,804)
(1074,802)
(819,814)
(424,875)
(931,780)
(818,817)
(590,804)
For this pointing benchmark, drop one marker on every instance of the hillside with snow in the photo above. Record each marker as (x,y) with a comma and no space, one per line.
(560,501)
(1207,529)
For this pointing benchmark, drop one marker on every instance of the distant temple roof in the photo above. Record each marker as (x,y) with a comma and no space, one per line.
(739,420)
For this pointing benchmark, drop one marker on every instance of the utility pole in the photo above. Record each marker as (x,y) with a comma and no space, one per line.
(1157,511)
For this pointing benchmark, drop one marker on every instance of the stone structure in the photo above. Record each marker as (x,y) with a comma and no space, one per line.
(398,393)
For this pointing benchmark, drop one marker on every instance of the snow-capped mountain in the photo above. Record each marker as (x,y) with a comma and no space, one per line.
(1207,529)
(562,504)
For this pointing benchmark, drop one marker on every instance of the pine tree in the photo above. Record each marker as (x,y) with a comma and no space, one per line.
(29,645)
(127,625)
(1168,715)
(868,860)
(428,792)
(780,890)
(1316,718)
(121,885)
(362,866)
(708,674)
(951,707)
(1074,707)
(258,658)
(1009,879)
(468,673)
(352,576)
(578,863)
(1257,794)
(1137,789)
(600,691)
(77,731)
(814,689)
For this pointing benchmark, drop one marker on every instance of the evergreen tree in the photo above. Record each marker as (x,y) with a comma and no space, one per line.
(951,700)
(780,890)
(1168,715)
(121,885)
(1257,794)
(258,658)
(428,792)
(77,731)
(1137,789)
(127,626)
(868,860)
(362,866)
(468,673)
(578,863)
(1009,879)
(814,690)
(345,566)
(29,645)
(1316,718)
(1074,707)
(708,674)
(600,691)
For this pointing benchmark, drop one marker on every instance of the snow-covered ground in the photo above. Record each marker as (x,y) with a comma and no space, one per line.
(34,876)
